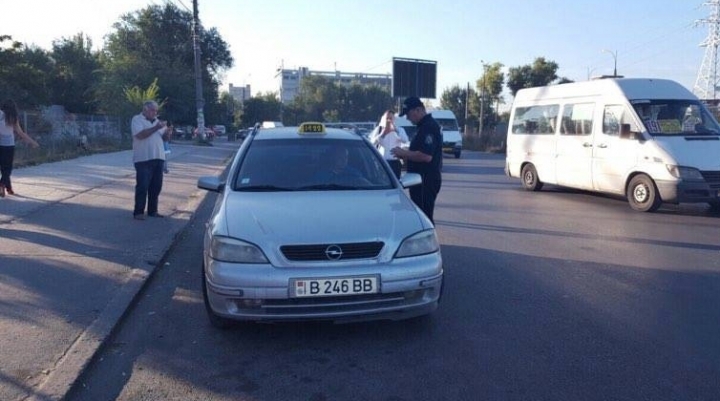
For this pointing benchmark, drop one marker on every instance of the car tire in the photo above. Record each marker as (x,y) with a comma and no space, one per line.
(215,319)
(642,194)
(530,179)
(457,154)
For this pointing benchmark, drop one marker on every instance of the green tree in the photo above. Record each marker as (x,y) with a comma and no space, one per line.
(460,100)
(540,73)
(156,42)
(24,73)
(75,74)
(136,96)
(489,87)
(265,107)
(322,99)
(317,98)
(233,111)
(367,103)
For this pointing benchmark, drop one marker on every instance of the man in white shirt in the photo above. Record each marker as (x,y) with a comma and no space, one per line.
(148,157)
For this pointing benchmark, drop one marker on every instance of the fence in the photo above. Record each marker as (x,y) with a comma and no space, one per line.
(63,135)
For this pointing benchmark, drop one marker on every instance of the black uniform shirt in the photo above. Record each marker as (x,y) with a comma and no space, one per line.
(428,140)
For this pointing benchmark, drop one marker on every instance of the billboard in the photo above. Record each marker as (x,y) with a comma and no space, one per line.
(413,77)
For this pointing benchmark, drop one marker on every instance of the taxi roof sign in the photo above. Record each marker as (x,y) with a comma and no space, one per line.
(311,128)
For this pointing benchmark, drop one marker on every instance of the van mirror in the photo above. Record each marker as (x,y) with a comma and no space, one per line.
(627,133)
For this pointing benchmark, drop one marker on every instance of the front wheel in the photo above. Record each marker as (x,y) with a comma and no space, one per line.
(642,194)
(530,179)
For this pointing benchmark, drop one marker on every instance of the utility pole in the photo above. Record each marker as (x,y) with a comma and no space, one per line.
(467,99)
(482,100)
(199,102)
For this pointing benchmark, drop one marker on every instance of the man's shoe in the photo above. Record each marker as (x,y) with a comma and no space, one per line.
(2,191)
(139,216)
(10,191)
(158,215)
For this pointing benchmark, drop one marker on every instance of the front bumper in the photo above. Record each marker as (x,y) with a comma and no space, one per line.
(452,147)
(409,287)
(688,191)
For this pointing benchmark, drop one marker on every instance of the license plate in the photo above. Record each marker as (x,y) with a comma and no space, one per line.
(325,287)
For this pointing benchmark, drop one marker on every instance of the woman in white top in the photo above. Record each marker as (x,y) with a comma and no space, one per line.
(387,136)
(9,127)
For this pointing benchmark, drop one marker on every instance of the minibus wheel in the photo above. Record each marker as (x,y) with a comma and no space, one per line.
(642,194)
(530,179)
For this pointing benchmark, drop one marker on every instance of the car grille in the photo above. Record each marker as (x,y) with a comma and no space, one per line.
(323,305)
(712,178)
(359,250)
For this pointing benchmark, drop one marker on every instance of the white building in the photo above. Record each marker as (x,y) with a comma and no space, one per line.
(240,93)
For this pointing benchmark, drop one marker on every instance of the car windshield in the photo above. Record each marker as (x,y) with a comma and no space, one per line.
(676,117)
(448,124)
(311,164)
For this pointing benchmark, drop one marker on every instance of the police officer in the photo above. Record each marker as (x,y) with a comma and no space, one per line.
(424,155)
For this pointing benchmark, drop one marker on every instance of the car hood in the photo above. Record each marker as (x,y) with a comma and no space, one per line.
(314,217)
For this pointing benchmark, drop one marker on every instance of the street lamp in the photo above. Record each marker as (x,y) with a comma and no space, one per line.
(614,54)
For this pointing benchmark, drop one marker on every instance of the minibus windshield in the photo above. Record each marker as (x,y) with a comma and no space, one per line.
(676,117)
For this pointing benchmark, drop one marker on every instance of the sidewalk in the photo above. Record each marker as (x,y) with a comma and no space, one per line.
(72,258)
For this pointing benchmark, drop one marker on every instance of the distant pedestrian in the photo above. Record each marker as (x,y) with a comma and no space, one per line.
(387,136)
(149,157)
(166,146)
(9,127)
(424,156)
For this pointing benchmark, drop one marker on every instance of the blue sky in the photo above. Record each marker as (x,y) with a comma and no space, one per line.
(652,38)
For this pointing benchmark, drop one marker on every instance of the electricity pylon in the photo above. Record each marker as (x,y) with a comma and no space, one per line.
(706,84)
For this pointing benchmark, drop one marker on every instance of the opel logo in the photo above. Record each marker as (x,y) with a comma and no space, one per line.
(333,252)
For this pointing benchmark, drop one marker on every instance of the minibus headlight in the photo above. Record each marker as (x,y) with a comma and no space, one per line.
(684,173)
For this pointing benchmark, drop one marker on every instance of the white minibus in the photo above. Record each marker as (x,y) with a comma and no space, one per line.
(452,138)
(650,140)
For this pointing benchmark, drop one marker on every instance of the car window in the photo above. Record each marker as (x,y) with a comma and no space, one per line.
(311,164)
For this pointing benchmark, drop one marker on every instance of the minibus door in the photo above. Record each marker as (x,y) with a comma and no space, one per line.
(615,150)
(574,146)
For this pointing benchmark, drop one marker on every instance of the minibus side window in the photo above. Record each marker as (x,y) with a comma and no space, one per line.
(535,120)
(577,119)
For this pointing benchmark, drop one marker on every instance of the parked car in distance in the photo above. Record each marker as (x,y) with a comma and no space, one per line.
(271,124)
(365,250)
(219,130)
(181,133)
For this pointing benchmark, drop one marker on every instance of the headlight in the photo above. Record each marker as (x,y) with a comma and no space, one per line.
(233,250)
(685,173)
(421,243)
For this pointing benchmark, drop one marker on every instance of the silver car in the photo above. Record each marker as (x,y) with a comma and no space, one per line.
(311,224)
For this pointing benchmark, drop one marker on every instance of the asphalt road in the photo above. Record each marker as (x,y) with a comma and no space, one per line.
(556,295)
